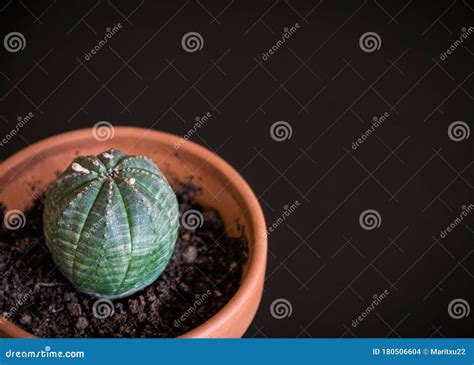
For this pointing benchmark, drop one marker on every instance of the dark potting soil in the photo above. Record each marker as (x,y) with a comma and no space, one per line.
(204,273)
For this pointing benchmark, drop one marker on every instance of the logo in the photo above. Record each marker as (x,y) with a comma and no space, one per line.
(192,42)
(281,131)
(370,219)
(192,219)
(103,131)
(370,42)
(458,131)
(14,42)
(281,308)
(14,219)
(458,308)
(103,308)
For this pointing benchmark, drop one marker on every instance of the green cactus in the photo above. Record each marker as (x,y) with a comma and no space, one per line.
(111,223)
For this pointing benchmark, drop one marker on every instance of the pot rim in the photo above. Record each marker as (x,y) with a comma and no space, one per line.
(257,236)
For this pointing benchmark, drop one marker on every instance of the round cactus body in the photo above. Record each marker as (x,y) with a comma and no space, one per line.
(111,223)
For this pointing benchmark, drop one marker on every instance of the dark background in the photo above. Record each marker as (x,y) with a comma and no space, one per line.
(328,90)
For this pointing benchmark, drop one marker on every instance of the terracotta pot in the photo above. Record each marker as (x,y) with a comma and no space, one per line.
(223,189)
